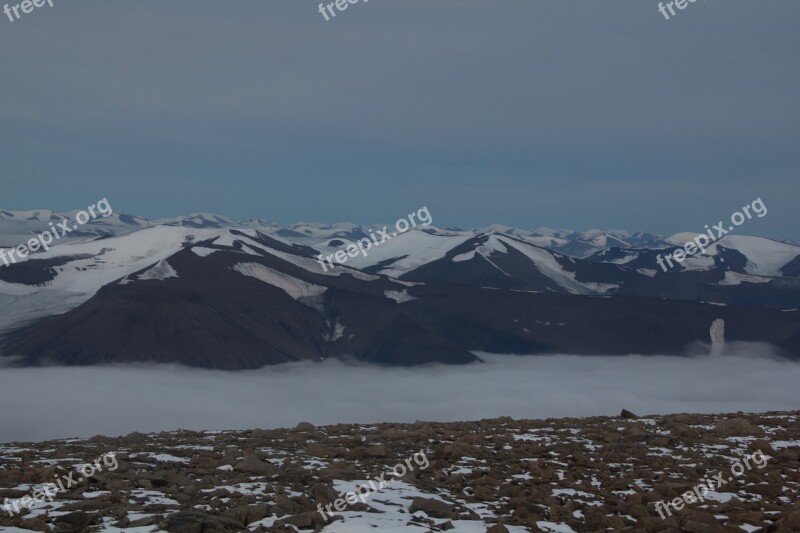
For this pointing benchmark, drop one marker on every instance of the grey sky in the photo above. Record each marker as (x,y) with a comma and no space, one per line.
(567,113)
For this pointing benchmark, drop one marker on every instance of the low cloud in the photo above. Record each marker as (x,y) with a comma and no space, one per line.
(59,402)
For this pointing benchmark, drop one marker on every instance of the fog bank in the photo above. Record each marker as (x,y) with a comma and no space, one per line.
(59,402)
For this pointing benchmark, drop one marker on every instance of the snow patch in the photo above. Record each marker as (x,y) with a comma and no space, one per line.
(160,271)
(202,251)
(399,296)
(734,278)
(296,288)
(338,333)
(464,257)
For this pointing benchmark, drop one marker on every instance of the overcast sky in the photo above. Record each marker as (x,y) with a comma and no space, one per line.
(565,113)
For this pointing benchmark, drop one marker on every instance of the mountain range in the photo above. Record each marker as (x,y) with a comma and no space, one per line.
(209,291)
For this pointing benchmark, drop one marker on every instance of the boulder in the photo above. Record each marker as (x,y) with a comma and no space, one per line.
(737,427)
(431,507)
(252,464)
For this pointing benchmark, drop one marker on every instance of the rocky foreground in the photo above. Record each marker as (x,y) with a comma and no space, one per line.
(588,474)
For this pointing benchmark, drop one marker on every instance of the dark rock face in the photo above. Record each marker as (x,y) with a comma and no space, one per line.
(34,271)
(215,317)
(259,301)
(588,474)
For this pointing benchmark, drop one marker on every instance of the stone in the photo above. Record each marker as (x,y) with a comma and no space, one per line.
(431,507)
(376,451)
(793,521)
(251,464)
(77,521)
(737,427)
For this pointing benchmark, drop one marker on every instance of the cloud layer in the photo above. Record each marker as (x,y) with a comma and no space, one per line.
(45,403)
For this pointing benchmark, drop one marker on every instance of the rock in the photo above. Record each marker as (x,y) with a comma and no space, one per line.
(146,521)
(787,455)
(73,522)
(793,521)
(376,451)
(737,427)
(323,493)
(431,507)
(285,506)
(678,430)
(497,528)
(457,450)
(700,523)
(251,464)
(35,524)
(307,520)
(185,522)
(659,441)
(135,438)
(671,490)
(751,517)
(627,414)
(342,470)
(511,466)
(304,426)
(763,445)
(636,431)
(197,522)
(770,491)
(247,514)
(318,450)
(10,477)
(596,519)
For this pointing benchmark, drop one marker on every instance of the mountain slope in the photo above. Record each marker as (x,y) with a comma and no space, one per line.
(239,306)
(203,290)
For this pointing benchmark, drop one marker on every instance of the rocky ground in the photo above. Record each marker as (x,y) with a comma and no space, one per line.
(588,474)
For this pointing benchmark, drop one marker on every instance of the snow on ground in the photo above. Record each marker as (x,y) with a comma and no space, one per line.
(107,260)
(547,265)
(734,278)
(116,257)
(765,256)
(411,250)
(399,296)
(306,263)
(292,286)
(162,270)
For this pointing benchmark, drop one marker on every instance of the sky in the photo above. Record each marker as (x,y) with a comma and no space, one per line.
(150,398)
(573,114)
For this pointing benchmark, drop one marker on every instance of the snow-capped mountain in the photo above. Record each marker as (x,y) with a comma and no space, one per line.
(592,241)
(200,220)
(17,227)
(210,291)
